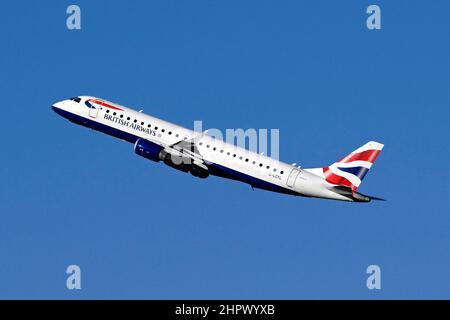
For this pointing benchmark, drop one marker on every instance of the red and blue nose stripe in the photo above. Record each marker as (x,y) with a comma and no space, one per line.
(101,103)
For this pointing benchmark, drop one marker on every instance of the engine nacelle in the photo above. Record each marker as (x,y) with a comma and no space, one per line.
(147,149)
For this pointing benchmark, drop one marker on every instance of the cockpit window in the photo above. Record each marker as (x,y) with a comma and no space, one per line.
(76,99)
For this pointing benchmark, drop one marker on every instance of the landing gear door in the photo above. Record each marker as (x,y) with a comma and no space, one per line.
(292,177)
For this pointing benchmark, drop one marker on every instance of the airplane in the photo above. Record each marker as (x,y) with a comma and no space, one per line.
(202,155)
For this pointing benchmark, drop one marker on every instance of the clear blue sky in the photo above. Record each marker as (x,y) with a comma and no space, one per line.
(138,229)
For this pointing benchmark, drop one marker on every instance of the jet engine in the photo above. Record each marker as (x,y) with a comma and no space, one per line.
(147,149)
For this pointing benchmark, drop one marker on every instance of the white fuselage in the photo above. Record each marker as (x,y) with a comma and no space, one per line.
(234,162)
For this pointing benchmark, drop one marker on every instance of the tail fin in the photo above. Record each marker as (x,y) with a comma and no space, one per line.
(350,170)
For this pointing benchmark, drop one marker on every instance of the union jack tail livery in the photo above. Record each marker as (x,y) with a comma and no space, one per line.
(351,170)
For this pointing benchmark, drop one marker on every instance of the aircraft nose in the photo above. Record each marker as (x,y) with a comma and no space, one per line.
(58,104)
(58,107)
